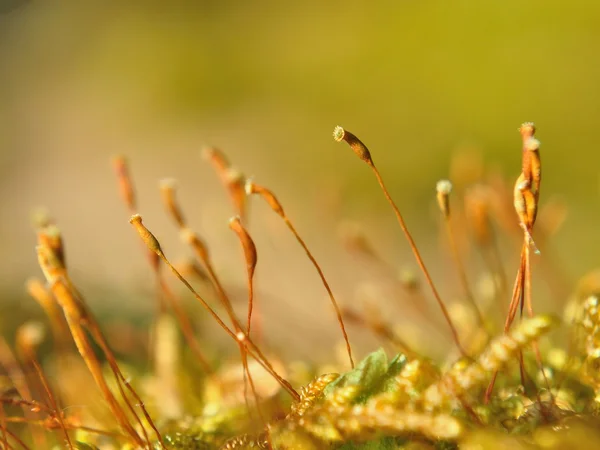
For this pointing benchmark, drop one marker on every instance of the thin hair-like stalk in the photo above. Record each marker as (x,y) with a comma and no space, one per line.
(525,201)
(201,251)
(516,300)
(169,198)
(240,336)
(232,179)
(129,197)
(95,331)
(186,327)
(269,197)
(339,134)
(379,329)
(62,292)
(29,336)
(251,258)
(51,260)
(444,187)
(199,247)
(168,194)
(60,332)
(18,440)
(78,317)
(3,430)
(529,306)
(477,203)
(69,426)
(18,379)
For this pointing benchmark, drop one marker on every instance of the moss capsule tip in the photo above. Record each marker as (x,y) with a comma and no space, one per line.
(207,152)
(136,218)
(168,183)
(338,133)
(34,332)
(187,235)
(249,186)
(527,129)
(443,187)
(532,144)
(234,175)
(234,220)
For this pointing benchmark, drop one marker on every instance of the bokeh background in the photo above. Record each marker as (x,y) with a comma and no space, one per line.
(267,81)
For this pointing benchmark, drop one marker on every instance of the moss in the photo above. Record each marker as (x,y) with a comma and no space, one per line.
(493,393)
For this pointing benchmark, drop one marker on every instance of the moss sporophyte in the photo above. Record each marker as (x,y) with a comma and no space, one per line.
(506,385)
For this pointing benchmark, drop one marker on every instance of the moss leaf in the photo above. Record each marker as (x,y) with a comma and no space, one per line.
(367,374)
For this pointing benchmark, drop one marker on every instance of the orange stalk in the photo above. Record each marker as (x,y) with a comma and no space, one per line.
(269,197)
(363,153)
(29,336)
(238,336)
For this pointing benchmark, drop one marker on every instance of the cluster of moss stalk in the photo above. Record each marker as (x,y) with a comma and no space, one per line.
(506,385)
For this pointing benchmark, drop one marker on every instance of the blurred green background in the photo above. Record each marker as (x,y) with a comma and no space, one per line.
(267,82)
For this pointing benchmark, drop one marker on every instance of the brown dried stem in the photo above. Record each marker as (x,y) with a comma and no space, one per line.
(526,198)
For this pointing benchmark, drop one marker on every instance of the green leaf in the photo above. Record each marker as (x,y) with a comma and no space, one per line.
(373,374)
(396,365)
(367,373)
